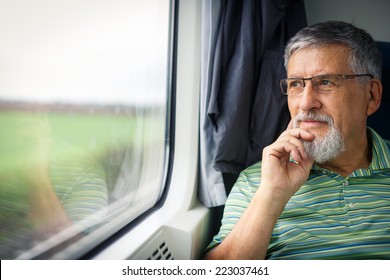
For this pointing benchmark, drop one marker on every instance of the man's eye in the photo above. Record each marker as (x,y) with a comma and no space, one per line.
(325,83)
(295,84)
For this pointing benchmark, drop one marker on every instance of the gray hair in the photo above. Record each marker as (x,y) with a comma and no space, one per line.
(364,57)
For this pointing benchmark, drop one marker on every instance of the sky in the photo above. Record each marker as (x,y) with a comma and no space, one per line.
(84,51)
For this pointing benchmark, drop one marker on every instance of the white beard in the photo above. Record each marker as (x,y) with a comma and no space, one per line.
(326,148)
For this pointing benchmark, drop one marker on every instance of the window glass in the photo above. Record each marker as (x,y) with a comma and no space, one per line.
(83,110)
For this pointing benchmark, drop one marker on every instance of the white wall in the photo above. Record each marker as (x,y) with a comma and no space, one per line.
(371,15)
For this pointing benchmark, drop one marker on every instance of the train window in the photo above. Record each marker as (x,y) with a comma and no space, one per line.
(84,98)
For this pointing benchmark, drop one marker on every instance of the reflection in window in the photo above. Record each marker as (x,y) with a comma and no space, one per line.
(83,109)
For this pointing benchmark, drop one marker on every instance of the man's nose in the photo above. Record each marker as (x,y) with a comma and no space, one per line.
(309,97)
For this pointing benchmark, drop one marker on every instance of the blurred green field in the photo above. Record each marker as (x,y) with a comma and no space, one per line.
(25,134)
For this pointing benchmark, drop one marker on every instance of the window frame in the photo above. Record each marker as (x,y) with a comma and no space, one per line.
(182,211)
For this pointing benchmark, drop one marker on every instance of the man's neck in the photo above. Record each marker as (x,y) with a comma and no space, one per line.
(351,159)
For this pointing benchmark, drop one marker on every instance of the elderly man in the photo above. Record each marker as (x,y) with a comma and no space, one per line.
(322,190)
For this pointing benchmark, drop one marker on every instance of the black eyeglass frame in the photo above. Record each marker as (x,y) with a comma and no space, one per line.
(344,77)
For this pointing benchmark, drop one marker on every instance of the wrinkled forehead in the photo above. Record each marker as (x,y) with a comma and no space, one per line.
(319,60)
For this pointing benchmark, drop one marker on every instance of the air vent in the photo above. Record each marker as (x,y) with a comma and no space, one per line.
(161,253)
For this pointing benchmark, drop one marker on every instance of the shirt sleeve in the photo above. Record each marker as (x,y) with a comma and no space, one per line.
(238,200)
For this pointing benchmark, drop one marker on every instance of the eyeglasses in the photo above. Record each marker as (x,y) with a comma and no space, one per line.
(322,83)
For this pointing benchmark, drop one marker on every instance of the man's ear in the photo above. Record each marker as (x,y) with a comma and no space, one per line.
(375,96)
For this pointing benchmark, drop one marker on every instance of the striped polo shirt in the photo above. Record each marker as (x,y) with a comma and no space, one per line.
(330,216)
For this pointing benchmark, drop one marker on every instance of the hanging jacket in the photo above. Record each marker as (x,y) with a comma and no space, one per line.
(246,108)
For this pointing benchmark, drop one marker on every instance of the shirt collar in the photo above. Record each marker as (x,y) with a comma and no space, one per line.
(380,156)
(380,152)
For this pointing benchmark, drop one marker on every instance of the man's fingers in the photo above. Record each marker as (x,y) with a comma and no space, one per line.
(286,149)
(298,133)
(295,137)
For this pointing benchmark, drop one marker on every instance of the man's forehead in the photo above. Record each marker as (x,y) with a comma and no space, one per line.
(319,60)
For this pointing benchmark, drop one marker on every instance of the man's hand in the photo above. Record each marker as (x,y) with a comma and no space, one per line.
(285,165)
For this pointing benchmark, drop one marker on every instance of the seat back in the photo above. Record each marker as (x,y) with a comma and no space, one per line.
(380,120)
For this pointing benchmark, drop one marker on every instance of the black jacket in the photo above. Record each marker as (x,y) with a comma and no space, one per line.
(246,108)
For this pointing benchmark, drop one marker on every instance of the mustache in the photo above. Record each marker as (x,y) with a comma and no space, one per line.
(312,117)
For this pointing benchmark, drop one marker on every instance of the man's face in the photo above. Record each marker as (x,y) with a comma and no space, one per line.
(346,106)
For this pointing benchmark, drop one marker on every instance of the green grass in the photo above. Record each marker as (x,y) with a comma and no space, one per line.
(25,135)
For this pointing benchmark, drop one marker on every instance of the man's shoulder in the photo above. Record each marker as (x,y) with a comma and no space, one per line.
(249,178)
(380,152)
(255,166)
(379,142)
(251,171)
(387,142)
